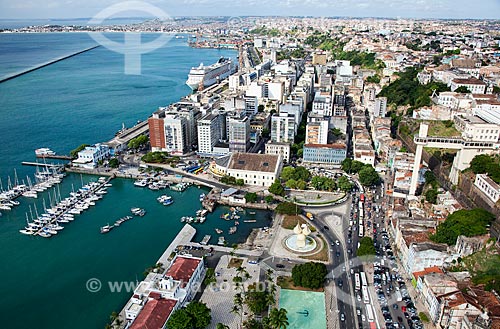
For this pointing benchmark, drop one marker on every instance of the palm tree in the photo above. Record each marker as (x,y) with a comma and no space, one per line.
(278,318)
(238,303)
(269,274)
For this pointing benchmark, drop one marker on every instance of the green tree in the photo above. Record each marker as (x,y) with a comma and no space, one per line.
(256,300)
(431,196)
(337,132)
(195,315)
(240,182)
(291,183)
(356,166)
(114,163)
(301,185)
(265,133)
(368,176)
(309,275)
(74,153)
(138,142)
(344,184)
(278,318)
(269,199)
(462,90)
(463,222)
(251,197)
(287,173)
(260,108)
(366,247)
(287,208)
(373,79)
(301,173)
(346,165)
(276,188)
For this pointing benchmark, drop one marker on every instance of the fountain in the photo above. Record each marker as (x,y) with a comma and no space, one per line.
(301,241)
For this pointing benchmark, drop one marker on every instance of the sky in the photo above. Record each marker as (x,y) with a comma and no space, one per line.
(27,9)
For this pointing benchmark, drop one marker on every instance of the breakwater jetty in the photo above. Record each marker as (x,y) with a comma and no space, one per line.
(18,74)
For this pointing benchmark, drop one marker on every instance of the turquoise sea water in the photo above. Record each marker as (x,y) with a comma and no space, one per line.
(85,99)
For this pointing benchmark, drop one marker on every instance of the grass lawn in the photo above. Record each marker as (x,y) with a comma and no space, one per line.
(235,262)
(442,129)
(286,282)
(290,221)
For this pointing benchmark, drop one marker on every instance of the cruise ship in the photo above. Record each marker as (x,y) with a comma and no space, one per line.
(210,74)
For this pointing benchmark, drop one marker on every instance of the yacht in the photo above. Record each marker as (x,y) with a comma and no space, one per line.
(141,183)
(44,151)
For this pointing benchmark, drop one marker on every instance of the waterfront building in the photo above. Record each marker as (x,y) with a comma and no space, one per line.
(176,134)
(283,128)
(332,154)
(209,133)
(254,169)
(90,156)
(160,294)
(282,149)
(157,131)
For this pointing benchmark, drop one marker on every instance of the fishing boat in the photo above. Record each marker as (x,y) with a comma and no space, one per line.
(202,219)
(206,239)
(233,229)
(168,202)
(239,209)
(251,212)
(236,223)
(221,241)
(141,183)
(106,229)
(219,231)
(202,196)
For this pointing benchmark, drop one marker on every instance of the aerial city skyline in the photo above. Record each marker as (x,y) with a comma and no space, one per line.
(453,9)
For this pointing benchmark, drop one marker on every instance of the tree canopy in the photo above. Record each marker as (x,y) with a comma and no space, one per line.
(309,275)
(366,247)
(408,91)
(194,316)
(137,142)
(463,222)
(287,208)
(74,153)
(368,176)
(276,188)
(251,197)
(486,164)
(299,173)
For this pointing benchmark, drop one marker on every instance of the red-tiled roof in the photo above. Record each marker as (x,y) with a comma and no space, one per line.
(428,270)
(154,314)
(183,268)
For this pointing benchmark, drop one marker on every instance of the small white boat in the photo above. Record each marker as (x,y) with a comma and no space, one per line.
(27,232)
(44,151)
(44,234)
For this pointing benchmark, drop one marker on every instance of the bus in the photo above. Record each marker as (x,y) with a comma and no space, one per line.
(360,234)
(360,209)
(357,284)
(366,297)
(362,276)
(369,313)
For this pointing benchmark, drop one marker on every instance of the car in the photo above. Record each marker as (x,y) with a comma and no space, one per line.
(337,242)
(395,306)
(352,271)
(280,266)
(340,282)
(326,227)
(363,317)
(358,312)
(252,262)
(342,317)
(343,268)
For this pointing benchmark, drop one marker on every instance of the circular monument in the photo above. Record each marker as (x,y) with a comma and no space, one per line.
(301,241)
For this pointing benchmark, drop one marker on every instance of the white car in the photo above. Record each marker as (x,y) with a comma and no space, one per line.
(363,318)
(337,242)
(358,312)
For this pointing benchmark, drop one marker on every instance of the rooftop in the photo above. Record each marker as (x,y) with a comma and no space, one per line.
(183,268)
(329,146)
(254,162)
(469,81)
(154,314)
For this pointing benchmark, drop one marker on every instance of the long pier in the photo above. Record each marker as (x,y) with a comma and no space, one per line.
(38,164)
(18,74)
(58,157)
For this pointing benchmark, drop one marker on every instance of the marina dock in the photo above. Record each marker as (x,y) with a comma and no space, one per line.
(39,164)
(18,74)
(59,157)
